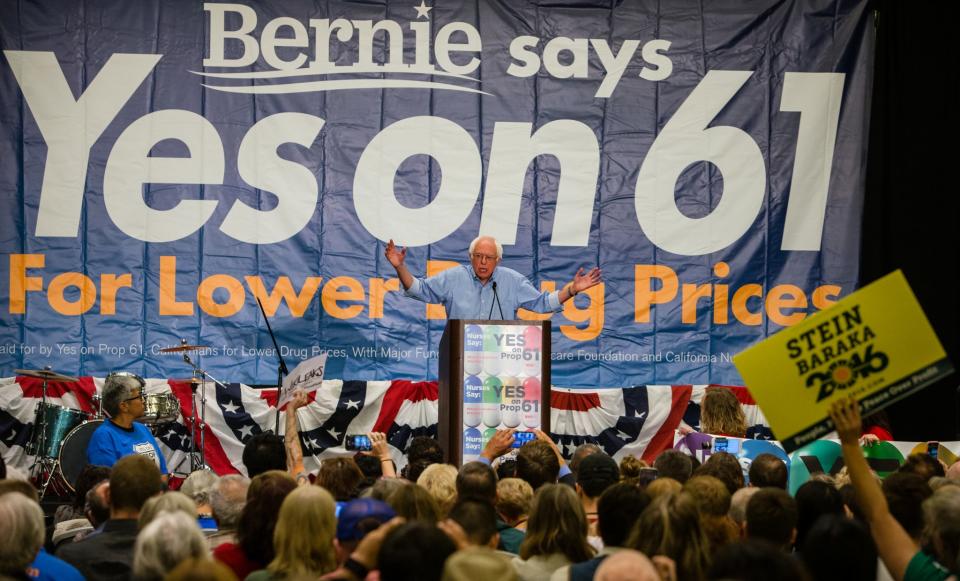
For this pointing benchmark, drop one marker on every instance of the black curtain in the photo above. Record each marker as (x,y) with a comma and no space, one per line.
(911,218)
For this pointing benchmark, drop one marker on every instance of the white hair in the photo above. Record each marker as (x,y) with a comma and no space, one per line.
(738,504)
(170,539)
(199,485)
(490,238)
(22,533)
(627,564)
(228,498)
(172,501)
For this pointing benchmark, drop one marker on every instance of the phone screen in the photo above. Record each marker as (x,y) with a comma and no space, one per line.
(932,449)
(521,438)
(720,445)
(358,442)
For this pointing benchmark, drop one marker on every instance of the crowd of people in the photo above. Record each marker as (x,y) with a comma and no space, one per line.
(527,515)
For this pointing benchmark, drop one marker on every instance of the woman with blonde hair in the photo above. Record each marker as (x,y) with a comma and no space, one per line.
(303,538)
(556,534)
(440,480)
(670,526)
(414,503)
(721,414)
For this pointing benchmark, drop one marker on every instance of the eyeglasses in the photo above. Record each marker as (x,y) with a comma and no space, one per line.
(483,257)
(140,396)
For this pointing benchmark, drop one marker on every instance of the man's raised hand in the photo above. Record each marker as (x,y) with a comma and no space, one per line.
(582,282)
(395,256)
(845,413)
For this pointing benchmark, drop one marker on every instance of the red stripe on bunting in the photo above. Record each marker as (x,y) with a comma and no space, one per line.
(214,454)
(577,402)
(83,389)
(400,391)
(271,395)
(663,439)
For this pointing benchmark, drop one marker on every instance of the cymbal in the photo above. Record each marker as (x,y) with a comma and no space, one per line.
(46,374)
(182,348)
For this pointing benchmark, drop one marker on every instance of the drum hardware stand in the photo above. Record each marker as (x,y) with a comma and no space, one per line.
(47,466)
(198,459)
(281,368)
(44,467)
(40,423)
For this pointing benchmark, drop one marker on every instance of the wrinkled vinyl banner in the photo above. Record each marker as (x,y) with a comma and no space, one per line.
(165,163)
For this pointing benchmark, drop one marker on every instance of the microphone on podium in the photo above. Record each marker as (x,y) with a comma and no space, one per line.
(496,297)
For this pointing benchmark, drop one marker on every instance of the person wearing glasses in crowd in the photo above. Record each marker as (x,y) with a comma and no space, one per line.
(484,290)
(121,435)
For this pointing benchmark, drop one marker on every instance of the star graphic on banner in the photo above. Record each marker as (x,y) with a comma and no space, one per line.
(352,405)
(230,408)
(333,432)
(423,10)
(641,414)
(622,436)
(183,439)
(171,434)
(313,443)
(571,448)
(246,432)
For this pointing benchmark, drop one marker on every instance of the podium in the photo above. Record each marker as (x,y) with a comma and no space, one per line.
(492,375)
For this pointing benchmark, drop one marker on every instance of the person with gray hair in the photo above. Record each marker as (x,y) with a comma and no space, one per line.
(21,535)
(120,435)
(467,292)
(198,486)
(227,500)
(738,505)
(167,502)
(170,539)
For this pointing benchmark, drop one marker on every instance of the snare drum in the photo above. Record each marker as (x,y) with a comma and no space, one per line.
(160,408)
(57,423)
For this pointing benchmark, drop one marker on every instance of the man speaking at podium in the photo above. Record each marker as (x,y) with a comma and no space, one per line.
(482,290)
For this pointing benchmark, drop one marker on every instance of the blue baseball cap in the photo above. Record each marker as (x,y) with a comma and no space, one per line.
(358,517)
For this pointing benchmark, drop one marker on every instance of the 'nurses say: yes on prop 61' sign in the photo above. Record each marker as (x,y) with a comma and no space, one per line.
(875,344)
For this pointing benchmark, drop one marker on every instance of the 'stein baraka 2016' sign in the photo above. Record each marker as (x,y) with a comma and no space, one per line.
(166,163)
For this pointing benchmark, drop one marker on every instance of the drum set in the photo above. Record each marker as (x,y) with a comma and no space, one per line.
(60,434)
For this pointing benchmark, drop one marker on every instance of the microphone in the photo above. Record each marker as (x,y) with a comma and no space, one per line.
(496,297)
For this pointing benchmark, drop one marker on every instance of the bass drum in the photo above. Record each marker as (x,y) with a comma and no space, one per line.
(73,452)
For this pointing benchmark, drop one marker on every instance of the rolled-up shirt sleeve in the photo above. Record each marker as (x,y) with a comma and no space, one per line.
(528,297)
(428,290)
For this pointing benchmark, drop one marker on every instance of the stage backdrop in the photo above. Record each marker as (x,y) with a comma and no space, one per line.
(165,163)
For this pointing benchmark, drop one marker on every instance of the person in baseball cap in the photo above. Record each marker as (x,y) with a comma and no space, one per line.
(357,518)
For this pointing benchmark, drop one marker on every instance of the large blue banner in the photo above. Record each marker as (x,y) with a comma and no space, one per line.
(164,163)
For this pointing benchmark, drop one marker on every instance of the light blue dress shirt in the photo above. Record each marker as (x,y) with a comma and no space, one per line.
(460,291)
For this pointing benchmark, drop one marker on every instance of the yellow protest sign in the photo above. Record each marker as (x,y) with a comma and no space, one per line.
(875,344)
